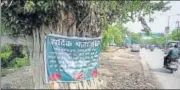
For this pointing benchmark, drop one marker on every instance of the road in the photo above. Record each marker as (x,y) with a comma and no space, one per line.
(155,62)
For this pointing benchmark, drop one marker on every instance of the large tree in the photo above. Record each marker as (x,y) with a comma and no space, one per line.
(33,19)
(135,38)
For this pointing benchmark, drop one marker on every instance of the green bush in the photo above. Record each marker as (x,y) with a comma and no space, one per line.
(112,34)
(4,58)
(5,51)
(5,54)
(19,62)
(6,48)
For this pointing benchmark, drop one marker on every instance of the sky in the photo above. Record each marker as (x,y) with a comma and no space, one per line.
(160,21)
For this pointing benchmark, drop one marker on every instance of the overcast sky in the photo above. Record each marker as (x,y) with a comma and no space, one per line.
(161,19)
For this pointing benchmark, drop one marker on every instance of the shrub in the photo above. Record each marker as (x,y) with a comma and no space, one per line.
(112,34)
(6,48)
(7,60)
(19,62)
(4,55)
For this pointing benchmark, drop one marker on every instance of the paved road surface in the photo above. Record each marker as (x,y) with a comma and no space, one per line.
(155,61)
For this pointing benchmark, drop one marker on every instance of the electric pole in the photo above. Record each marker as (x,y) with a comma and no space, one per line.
(166,32)
(177,30)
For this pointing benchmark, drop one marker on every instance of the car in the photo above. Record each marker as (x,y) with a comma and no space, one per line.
(112,44)
(135,48)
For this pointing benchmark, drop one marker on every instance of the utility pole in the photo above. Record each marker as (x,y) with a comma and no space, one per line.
(177,30)
(166,32)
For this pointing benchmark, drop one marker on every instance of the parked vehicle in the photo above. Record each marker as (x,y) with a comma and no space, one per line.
(135,48)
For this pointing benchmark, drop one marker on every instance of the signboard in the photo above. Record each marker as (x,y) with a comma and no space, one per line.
(71,59)
(155,35)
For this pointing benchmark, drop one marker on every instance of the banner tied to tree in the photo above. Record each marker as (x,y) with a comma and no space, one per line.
(71,59)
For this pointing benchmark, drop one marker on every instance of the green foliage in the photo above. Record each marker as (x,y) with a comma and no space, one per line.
(157,41)
(105,40)
(160,41)
(129,10)
(19,62)
(5,51)
(112,34)
(22,16)
(135,38)
(175,34)
(5,55)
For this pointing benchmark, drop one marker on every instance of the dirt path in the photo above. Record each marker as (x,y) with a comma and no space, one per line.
(118,70)
(19,79)
(123,70)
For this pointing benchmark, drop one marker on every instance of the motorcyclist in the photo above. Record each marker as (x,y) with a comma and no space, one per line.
(151,47)
(173,54)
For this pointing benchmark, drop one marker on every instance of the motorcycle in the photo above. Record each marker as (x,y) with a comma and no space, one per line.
(152,49)
(172,66)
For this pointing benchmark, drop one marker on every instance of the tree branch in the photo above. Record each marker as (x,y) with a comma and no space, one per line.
(83,21)
(10,4)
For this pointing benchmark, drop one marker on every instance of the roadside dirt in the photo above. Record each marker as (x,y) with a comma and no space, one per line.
(119,69)
(123,70)
(19,79)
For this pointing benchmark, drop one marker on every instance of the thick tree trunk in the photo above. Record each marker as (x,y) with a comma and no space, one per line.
(36,51)
(35,43)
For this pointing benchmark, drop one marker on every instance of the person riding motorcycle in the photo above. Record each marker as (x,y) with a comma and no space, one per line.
(151,47)
(173,54)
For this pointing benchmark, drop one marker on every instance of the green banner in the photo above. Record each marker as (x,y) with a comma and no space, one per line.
(71,59)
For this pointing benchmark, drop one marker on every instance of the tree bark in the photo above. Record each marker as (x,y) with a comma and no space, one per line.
(35,46)
(35,43)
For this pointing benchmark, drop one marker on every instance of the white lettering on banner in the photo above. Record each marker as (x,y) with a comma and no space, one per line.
(52,61)
(76,58)
(58,49)
(96,56)
(88,53)
(88,44)
(92,57)
(91,68)
(81,54)
(92,53)
(94,60)
(61,42)
(50,65)
(56,66)
(60,70)
(51,57)
(85,54)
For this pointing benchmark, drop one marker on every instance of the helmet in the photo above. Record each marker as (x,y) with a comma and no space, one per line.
(176,45)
